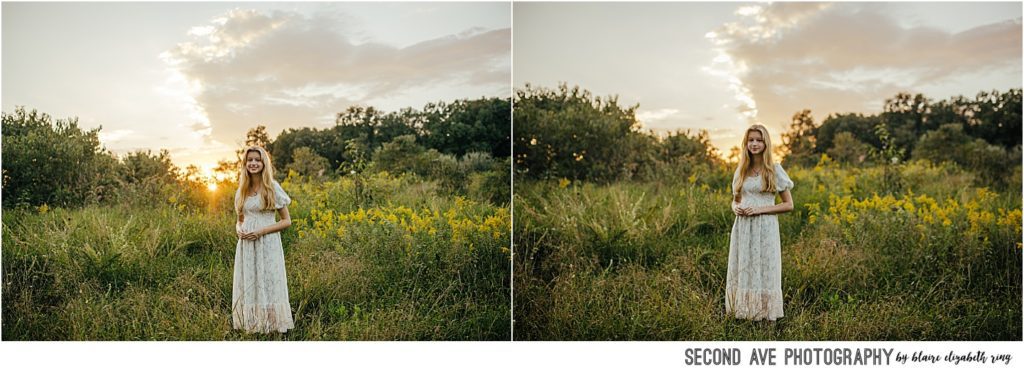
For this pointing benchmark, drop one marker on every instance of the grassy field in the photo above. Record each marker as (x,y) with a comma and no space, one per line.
(368,258)
(913,253)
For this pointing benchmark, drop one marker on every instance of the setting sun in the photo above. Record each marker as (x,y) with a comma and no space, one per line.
(212,186)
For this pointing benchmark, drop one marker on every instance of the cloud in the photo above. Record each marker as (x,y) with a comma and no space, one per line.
(108,137)
(284,69)
(655,115)
(784,57)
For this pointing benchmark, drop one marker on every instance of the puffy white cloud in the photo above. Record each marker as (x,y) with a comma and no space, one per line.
(284,69)
(784,57)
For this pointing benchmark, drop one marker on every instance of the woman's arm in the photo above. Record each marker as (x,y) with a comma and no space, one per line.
(285,222)
(736,209)
(784,207)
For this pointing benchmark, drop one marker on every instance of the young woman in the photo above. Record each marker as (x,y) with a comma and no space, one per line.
(259,294)
(753,288)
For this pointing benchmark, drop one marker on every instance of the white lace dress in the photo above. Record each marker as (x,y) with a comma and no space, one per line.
(753,288)
(259,296)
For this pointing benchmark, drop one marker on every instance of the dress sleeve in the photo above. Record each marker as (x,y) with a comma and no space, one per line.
(782,180)
(281,199)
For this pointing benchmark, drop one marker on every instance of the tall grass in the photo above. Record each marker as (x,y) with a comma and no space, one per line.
(164,271)
(936,260)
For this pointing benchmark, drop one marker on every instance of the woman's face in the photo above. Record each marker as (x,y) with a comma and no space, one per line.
(755,142)
(253,162)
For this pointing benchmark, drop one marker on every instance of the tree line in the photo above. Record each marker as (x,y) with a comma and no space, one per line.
(981,135)
(570,133)
(462,144)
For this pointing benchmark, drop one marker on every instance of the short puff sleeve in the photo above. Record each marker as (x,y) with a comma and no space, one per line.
(281,198)
(782,180)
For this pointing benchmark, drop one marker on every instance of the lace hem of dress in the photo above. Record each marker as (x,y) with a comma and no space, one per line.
(263,318)
(754,304)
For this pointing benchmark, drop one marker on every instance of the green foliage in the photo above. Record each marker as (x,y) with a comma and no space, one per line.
(163,271)
(466,126)
(859,126)
(494,186)
(891,158)
(307,163)
(48,161)
(906,114)
(850,150)
(403,154)
(569,133)
(986,141)
(370,128)
(257,136)
(638,260)
(680,145)
(455,129)
(799,143)
(146,178)
(140,166)
(326,143)
(992,116)
(951,144)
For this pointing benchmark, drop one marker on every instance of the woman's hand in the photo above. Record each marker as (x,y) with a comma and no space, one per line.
(250,235)
(742,211)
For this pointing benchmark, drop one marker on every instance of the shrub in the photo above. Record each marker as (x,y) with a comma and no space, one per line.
(53,161)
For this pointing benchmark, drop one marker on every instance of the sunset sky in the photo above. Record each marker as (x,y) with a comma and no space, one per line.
(193,77)
(722,66)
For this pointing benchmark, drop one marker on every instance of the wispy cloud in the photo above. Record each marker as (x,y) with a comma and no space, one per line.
(783,57)
(284,69)
(650,116)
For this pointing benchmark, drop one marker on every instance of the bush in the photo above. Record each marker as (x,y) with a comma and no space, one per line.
(53,161)
(492,186)
(403,154)
(307,163)
(849,150)
(950,143)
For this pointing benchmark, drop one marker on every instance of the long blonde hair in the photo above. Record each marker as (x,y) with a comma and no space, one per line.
(747,161)
(266,180)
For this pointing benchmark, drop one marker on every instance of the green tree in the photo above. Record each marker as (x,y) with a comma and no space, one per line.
(848,149)
(798,143)
(860,127)
(998,118)
(570,133)
(681,145)
(992,164)
(53,161)
(360,124)
(228,170)
(892,157)
(141,166)
(403,154)
(308,164)
(482,125)
(326,143)
(906,115)
(257,136)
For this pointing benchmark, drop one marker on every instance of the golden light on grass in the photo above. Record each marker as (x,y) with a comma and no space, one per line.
(212,186)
